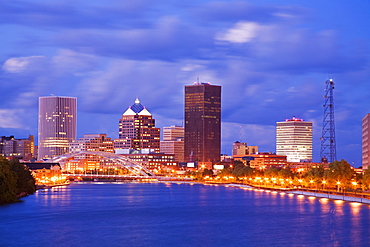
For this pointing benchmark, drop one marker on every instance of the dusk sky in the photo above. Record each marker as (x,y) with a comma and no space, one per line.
(271,58)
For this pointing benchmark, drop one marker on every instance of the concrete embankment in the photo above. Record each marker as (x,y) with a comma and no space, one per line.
(331,196)
(307,193)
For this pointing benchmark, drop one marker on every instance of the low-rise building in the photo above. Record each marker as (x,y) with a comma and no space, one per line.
(23,148)
(262,160)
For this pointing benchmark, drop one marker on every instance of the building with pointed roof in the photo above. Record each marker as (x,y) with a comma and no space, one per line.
(137,131)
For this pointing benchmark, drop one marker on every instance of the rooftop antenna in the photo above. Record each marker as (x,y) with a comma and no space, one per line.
(328,152)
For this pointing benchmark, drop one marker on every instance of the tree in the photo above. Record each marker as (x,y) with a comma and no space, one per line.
(25,180)
(207,172)
(286,173)
(15,180)
(241,170)
(272,172)
(8,182)
(366,179)
(314,175)
(340,171)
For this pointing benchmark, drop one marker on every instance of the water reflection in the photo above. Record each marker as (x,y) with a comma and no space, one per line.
(159,215)
(355,208)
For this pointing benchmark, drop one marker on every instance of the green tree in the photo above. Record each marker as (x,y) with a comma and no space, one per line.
(365,180)
(272,172)
(225,173)
(314,175)
(25,180)
(8,182)
(241,170)
(207,172)
(286,173)
(340,171)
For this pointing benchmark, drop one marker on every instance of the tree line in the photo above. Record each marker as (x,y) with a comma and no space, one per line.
(339,175)
(15,181)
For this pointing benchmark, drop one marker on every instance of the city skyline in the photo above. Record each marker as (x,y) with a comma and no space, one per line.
(271,59)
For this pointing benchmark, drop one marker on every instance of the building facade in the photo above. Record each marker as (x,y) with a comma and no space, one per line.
(202,123)
(95,143)
(137,130)
(366,141)
(57,125)
(19,148)
(241,148)
(294,139)
(173,142)
(263,161)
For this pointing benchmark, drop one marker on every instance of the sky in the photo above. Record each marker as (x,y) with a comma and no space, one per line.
(271,58)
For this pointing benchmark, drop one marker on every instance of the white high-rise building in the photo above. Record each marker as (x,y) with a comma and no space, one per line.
(294,139)
(57,125)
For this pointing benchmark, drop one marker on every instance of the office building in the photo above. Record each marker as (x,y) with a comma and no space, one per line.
(202,123)
(137,131)
(95,143)
(366,141)
(241,148)
(173,142)
(57,125)
(294,139)
(19,148)
(262,161)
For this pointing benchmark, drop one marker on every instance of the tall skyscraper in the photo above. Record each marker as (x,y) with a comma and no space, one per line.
(137,130)
(57,125)
(202,122)
(173,142)
(294,139)
(366,141)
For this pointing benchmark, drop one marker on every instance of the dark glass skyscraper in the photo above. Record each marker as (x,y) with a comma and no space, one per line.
(202,122)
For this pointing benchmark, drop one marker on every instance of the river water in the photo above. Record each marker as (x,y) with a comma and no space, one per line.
(159,214)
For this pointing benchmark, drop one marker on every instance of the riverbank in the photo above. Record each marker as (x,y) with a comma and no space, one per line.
(319,194)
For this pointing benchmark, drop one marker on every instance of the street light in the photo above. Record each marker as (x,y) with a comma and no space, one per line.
(323,184)
(354,185)
(338,184)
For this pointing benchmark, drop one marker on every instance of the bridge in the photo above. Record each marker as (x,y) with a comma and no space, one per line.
(134,167)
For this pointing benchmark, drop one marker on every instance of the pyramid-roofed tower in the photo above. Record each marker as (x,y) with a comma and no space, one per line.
(137,130)
(137,108)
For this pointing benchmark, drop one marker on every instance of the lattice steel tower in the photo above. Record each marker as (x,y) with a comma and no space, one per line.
(328,146)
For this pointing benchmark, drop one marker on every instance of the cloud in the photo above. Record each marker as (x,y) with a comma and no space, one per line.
(11,118)
(253,134)
(270,59)
(241,32)
(19,64)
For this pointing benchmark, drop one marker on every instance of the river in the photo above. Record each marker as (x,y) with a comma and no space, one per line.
(160,214)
